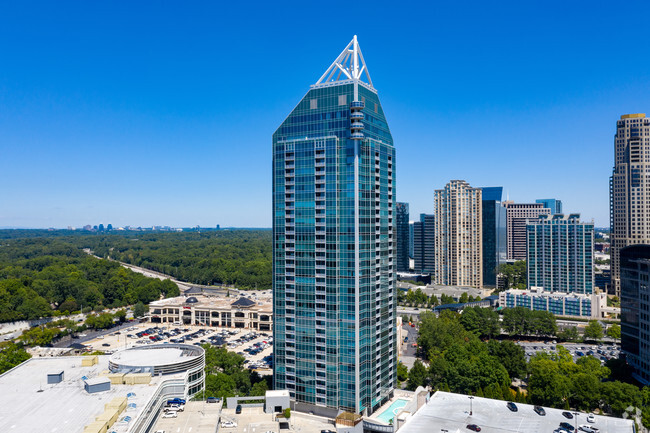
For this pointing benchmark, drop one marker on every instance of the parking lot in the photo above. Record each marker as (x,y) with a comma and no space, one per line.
(255,346)
(196,417)
(603,351)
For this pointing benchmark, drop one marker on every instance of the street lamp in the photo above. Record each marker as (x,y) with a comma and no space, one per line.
(471,397)
(576,415)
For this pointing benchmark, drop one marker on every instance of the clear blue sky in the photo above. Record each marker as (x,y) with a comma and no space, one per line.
(141,113)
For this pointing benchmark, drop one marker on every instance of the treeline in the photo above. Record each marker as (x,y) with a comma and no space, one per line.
(460,361)
(417,297)
(231,257)
(235,257)
(43,277)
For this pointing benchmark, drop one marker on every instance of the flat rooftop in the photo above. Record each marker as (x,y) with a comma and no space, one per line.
(215,302)
(63,407)
(448,411)
(153,356)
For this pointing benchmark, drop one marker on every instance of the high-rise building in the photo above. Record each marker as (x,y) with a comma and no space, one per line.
(517,215)
(495,251)
(424,241)
(635,309)
(334,244)
(551,203)
(629,189)
(402,229)
(561,254)
(459,235)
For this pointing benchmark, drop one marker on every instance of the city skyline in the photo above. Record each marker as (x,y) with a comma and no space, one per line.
(141,117)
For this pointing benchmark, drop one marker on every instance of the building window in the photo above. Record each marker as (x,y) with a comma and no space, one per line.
(313,104)
(343,100)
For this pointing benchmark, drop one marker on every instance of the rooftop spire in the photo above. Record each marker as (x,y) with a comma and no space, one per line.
(349,65)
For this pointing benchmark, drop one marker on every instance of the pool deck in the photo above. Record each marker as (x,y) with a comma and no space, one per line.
(399,395)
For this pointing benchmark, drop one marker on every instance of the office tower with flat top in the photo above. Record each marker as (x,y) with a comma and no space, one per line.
(629,188)
(334,244)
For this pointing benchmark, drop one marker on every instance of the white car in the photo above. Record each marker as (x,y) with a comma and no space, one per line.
(591,418)
(588,428)
(228,424)
(170,414)
(175,408)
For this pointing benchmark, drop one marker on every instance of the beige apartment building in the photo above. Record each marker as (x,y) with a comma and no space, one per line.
(213,311)
(458,235)
(629,189)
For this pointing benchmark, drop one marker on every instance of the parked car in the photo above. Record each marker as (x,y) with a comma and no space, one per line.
(238,409)
(567,426)
(512,406)
(170,414)
(587,428)
(567,415)
(213,400)
(473,427)
(228,424)
(591,418)
(539,410)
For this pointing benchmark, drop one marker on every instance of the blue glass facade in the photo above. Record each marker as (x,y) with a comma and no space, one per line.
(559,304)
(334,250)
(495,241)
(403,237)
(553,204)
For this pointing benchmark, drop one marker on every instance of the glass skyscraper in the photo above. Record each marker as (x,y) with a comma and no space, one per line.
(403,237)
(494,234)
(334,244)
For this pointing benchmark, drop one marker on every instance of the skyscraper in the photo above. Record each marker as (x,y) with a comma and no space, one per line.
(334,244)
(561,254)
(553,204)
(629,189)
(402,228)
(459,236)
(424,241)
(517,215)
(495,249)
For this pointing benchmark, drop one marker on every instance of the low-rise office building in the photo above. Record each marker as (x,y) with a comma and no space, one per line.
(592,306)
(124,392)
(213,311)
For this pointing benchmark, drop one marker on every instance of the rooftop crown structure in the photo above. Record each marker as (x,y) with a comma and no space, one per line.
(334,244)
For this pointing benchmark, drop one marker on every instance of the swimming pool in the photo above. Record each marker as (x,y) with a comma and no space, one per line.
(390,412)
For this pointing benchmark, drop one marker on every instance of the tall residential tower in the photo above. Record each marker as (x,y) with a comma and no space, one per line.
(629,189)
(459,235)
(334,244)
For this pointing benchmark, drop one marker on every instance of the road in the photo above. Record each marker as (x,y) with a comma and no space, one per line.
(182,285)
(407,351)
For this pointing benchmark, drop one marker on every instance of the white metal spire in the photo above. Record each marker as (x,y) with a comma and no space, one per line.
(349,65)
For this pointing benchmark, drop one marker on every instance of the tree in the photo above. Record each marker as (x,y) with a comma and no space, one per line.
(120,315)
(11,355)
(402,372)
(464,298)
(513,274)
(511,355)
(569,334)
(139,310)
(417,376)
(614,331)
(593,331)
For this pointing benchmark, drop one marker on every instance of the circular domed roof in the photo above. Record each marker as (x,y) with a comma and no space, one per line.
(191,300)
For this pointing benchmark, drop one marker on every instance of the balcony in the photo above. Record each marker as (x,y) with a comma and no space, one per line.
(357,136)
(355,126)
(357,115)
(357,105)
